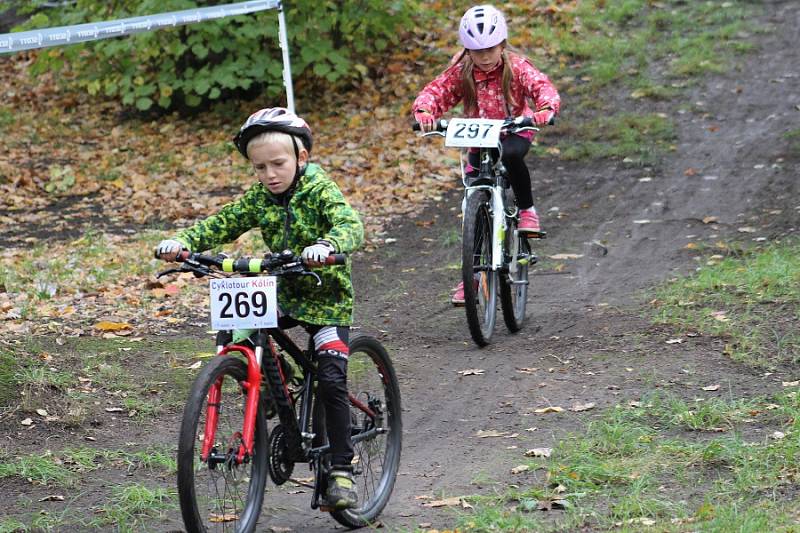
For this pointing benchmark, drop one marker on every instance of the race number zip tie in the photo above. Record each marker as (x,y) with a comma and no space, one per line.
(94,31)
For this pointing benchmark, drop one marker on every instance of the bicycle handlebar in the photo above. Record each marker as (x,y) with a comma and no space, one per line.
(285,262)
(511,124)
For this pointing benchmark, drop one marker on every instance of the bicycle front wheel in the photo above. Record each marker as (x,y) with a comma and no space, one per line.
(480,280)
(377,429)
(219,493)
(514,280)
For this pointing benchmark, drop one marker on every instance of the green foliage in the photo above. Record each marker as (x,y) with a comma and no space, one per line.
(190,66)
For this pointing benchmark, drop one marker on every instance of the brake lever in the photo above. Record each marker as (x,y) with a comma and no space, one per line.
(170,271)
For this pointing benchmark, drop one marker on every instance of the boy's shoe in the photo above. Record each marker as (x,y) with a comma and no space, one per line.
(529,222)
(341,492)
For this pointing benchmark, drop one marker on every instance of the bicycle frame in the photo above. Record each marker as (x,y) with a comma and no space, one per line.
(252,385)
(490,178)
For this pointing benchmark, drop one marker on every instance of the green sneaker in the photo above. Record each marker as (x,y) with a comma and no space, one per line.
(341,490)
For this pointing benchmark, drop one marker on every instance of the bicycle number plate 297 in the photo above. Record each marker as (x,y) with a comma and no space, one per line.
(473,133)
(244,303)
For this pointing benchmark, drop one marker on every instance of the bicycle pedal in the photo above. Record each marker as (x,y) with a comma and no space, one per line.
(536,235)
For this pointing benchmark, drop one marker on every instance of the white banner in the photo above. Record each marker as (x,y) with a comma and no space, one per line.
(29,40)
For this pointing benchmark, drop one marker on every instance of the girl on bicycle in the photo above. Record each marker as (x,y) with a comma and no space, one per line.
(494,82)
(297,207)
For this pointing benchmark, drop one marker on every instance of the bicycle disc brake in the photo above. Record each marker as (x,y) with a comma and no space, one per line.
(280,467)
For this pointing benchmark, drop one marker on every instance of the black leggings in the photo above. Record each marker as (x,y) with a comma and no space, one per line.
(332,380)
(514,150)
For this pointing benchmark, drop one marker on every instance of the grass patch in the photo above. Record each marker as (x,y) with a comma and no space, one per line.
(753,301)
(637,139)
(650,50)
(633,468)
(39,469)
(133,506)
(793,137)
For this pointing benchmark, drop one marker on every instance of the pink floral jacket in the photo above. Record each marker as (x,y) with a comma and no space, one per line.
(445,91)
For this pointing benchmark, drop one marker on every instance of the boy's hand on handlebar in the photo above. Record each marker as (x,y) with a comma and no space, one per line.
(317,253)
(543,117)
(426,121)
(169,249)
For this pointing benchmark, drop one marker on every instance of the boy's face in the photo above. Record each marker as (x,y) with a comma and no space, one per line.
(275,165)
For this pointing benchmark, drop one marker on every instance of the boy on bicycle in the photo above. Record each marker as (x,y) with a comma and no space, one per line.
(297,207)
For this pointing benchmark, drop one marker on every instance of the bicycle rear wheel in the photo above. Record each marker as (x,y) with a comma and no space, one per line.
(377,438)
(217,494)
(514,280)
(480,281)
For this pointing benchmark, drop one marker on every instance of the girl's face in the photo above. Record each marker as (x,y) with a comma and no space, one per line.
(488,58)
(275,165)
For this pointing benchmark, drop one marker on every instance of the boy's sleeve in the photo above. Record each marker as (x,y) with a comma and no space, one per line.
(441,94)
(539,88)
(225,226)
(347,231)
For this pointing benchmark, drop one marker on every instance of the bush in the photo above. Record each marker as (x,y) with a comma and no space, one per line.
(190,66)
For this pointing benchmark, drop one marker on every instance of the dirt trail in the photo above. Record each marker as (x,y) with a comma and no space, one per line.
(586,337)
(585,330)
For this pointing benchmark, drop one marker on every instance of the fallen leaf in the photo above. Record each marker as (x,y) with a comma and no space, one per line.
(225,517)
(520,469)
(578,407)
(52,498)
(642,221)
(560,257)
(114,409)
(674,341)
(711,387)
(527,370)
(27,422)
(778,435)
(791,383)
(710,220)
(105,325)
(481,434)
(550,409)
(539,452)
(41,412)
(472,372)
(746,229)
(447,502)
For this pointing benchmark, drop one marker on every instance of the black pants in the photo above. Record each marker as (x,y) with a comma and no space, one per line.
(332,389)
(514,150)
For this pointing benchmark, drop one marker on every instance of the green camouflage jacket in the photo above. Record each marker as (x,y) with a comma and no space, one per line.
(316,210)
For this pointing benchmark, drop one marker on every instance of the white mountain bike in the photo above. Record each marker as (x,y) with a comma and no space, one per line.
(494,254)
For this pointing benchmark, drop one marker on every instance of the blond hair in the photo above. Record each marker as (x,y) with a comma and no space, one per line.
(470,93)
(278,137)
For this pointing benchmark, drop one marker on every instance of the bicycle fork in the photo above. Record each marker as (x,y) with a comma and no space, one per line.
(252,386)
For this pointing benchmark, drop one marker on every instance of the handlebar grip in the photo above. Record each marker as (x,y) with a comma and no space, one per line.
(416,127)
(183,256)
(336,259)
(552,121)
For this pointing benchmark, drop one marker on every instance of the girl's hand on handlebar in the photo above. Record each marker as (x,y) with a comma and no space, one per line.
(168,250)
(426,121)
(544,117)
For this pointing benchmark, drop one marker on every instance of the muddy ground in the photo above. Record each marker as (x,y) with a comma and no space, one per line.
(587,334)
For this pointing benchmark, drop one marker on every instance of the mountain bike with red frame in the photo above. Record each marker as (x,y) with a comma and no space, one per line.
(225,450)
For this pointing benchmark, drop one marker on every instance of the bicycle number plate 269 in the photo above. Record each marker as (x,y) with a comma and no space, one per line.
(244,303)
(473,133)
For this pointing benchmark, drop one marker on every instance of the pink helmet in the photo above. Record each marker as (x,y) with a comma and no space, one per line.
(482,27)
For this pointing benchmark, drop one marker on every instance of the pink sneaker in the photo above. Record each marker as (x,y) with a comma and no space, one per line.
(529,221)
(458,295)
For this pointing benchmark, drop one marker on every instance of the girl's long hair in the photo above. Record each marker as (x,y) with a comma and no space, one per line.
(468,82)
